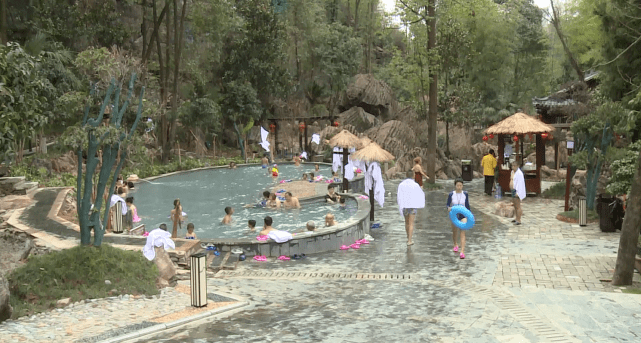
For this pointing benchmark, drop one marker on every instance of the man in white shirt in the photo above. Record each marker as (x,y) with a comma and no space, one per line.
(518,192)
(410,198)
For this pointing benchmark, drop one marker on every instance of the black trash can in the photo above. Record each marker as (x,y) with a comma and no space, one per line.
(466,170)
(610,210)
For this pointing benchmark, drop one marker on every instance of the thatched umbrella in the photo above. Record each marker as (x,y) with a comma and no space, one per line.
(363,142)
(520,124)
(372,153)
(344,140)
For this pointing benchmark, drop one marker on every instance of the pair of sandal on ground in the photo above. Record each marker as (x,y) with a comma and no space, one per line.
(462,256)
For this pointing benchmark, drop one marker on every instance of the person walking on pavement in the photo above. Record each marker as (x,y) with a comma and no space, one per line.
(518,191)
(489,165)
(410,198)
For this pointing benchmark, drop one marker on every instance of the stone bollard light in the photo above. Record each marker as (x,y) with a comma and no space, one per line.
(198,280)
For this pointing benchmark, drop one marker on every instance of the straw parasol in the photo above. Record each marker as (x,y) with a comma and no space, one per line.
(373,153)
(363,142)
(344,139)
(519,124)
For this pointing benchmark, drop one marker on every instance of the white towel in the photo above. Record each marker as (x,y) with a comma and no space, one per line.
(410,195)
(265,145)
(304,155)
(115,199)
(156,238)
(316,138)
(519,184)
(349,170)
(280,236)
(337,159)
(379,187)
(263,134)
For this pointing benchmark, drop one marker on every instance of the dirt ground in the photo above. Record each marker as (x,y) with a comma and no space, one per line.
(10,251)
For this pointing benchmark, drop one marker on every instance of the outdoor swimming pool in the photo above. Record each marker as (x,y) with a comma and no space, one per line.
(204,194)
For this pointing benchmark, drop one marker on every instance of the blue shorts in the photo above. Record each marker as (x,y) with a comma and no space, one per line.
(408,211)
(514,193)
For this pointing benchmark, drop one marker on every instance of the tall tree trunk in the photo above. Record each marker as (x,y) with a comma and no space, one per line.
(143,28)
(3,22)
(433,104)
(178,37)
(168,119)
(624,268)
(154,33)
(356,5)
(557,27)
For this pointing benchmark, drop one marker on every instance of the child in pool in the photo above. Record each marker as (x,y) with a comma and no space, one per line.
(335,177)
(275,171)
(251,224)
(304,176)
(133,209)
(176,217)
(342,204)
(190,232)
(458,198)
(329,220)
(228,212)
(264,161)
(316,168)
(262,202)
(273,202)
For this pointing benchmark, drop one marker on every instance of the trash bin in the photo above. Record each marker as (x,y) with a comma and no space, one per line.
(610,210)
(198,280)
(466,167)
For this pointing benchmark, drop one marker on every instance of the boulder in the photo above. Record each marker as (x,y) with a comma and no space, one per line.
(374,96)
(39,163)
(5,306)
(579,183)
(477,152)
(504,209)
(67,163)
(359,119)
(394,136)
(63,302)
(166,267)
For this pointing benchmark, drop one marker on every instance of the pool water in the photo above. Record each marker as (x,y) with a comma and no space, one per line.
(204,194)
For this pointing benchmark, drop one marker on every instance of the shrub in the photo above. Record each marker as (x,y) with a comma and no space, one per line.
(557,191)
(79,273)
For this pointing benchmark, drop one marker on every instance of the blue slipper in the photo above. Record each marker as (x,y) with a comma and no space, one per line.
(296,257)
(376,225)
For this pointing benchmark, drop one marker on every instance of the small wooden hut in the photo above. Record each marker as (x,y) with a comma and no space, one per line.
(519,125)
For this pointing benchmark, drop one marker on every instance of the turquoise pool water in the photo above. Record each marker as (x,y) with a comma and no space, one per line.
(204,195)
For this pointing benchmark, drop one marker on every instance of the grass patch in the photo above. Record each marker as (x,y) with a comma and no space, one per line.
(432,186)
(79,273)
(557,191)
(631,290)
(574,214)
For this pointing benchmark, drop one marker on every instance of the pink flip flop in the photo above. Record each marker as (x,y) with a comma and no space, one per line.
(262,238)
(362,241)
(260,258)
(344,247)
(355,246)
(284,258)
(462,256)
(455,249)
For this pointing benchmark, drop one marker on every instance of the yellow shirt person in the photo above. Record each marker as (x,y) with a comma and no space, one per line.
(489,164)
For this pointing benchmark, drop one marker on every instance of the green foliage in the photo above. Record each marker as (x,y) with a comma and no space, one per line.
(149,170)
(623,170)
(42,176)
(338,53)
(557,191)
(574,214)
(79,273)
(203,113)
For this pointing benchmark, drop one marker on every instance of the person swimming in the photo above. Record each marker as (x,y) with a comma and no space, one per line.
(262,202)
(228,212)
(275,170)
(264,161)
(190,231)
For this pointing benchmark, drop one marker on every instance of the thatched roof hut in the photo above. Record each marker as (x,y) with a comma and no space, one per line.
(519,124)
(373,153)
(344,139)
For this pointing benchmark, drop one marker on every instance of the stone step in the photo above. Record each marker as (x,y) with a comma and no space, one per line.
(10,181)
(24,187)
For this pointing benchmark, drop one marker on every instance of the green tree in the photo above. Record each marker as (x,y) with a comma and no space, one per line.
(241,105)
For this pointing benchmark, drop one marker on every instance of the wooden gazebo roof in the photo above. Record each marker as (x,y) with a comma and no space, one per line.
(519,124)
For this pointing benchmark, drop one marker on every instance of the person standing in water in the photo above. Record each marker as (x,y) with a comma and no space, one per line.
(458,197)
(418,172)
(176,218)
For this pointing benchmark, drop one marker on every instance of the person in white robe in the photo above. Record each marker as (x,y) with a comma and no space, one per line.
(410,197)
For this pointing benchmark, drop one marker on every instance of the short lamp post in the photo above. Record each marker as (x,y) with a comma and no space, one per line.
(570,146)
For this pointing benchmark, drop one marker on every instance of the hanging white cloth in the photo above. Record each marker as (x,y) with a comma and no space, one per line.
(410,195)
(369,181)
(115,199)
(156,238)
(263,134)
(303,155)
(349,170)
(336,159)
(280,236)
(265,145)
(379,187)
(316,138)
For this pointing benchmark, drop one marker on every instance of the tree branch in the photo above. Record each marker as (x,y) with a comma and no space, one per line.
(413,10)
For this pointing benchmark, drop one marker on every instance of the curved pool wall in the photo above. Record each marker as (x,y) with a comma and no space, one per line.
(322,240)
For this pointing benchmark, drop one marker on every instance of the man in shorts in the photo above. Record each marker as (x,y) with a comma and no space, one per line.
(410,198)
(518,192)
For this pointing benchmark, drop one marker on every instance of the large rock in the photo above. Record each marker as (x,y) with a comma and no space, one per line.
(374,96)
(394,136)
(359,119)
(166,267)
(5,307)
(578,186)
(67,163)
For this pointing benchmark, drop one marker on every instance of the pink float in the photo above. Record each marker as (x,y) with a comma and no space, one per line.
(262,237)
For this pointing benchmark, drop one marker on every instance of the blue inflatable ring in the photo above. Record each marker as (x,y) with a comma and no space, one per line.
(466,213)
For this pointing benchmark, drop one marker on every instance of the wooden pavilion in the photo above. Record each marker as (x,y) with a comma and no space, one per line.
(511,132)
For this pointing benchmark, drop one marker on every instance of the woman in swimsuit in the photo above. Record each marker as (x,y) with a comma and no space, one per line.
(418,172)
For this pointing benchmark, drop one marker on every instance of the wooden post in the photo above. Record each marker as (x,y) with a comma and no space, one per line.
(345,182)
(567,183)
(306,141)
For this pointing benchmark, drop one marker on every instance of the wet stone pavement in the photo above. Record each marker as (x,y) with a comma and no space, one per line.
(434,296)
